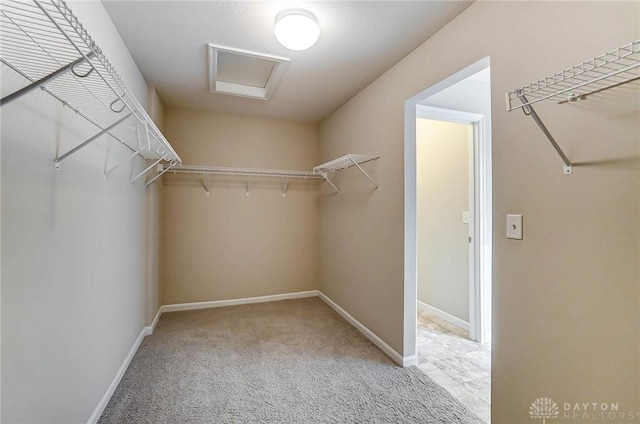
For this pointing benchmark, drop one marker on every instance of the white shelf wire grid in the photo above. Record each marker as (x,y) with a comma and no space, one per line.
(344,162)
(39,37)
(319,172)
(611,69)
(251,172)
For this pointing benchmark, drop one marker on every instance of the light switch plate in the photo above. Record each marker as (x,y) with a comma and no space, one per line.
(514,227)
(465,217)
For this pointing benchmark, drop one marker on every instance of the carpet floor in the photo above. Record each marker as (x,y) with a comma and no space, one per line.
(292,361)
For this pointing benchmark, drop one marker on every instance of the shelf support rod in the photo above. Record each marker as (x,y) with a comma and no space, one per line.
(132,180)
(171,165)
(42,81)
(114,167)
(206,184)
(326,178)
(65,104)
(89,141)
(529,110)
(365,174)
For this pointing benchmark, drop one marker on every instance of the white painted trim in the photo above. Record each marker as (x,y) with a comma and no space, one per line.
(432,310)
(410,361)
(388,350)
(114,384)
(148,330)
(450,115)
(480,317)
(231,302)
(152,327)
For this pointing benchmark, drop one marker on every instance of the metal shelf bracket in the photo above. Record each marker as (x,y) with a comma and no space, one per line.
(530,111)
(611,69)
(345,162)
(159,174)
(89,141)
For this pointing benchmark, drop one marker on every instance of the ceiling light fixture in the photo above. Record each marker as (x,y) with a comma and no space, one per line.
(297,29)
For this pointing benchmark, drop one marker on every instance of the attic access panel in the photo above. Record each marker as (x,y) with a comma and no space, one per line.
(244,73)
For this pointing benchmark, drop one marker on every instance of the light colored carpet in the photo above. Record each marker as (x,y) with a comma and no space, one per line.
(293,361)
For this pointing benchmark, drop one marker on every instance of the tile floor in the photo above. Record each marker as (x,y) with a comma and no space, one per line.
(461,366)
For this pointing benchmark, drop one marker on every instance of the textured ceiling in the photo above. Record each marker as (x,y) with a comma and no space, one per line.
(359,41)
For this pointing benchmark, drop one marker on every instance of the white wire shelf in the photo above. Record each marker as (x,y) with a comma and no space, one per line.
(319,172)
(608,70)
(251,172)
(344,162)
(46,44)
(206,171)
(612,69)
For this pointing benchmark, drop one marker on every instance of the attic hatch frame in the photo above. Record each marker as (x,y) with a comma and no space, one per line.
(609,70)
(243,90)
(45,43)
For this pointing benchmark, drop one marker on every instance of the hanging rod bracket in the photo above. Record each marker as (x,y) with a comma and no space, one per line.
(530,111)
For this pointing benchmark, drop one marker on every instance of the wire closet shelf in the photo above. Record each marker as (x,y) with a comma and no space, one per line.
(609,70)
(44,42)
(320,172)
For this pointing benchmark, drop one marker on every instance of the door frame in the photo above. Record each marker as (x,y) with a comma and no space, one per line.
(480,289)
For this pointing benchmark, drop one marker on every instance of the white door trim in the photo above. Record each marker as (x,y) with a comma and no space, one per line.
(479,319)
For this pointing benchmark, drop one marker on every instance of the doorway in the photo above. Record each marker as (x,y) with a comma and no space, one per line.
(449,100)
(463,98)
(445,187)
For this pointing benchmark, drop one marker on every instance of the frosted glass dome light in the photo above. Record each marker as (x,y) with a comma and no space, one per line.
(297,29)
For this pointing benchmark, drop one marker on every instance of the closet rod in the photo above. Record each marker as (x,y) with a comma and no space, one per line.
(191,169)
(73,108)
(42,81)
(44,42)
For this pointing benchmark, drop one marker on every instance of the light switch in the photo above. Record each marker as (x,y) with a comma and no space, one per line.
(465,217)
(514,227)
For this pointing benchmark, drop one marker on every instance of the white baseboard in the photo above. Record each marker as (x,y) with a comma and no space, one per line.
(410,361)
(231,302)
(146,331)
(114,384)
(432,310)
(388,350)
(151,328)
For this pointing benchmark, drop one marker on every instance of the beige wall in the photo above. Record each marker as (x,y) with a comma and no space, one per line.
(73,293)
(442,159)
(566,298)
(228,245)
